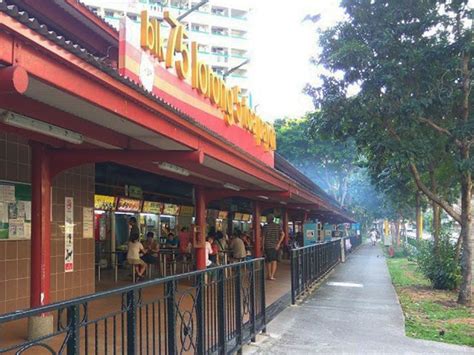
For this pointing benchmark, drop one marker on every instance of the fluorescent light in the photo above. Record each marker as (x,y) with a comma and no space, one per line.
(173,168)
(283,202)
(231,187)
(264,197)
(47,129)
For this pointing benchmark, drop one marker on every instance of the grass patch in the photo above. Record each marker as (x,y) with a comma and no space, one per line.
(430,314)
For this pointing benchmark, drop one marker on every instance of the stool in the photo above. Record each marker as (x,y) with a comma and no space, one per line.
(133,270)
(187,262)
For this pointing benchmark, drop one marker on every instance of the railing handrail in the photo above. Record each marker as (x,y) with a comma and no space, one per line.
(316,244)
(19,314)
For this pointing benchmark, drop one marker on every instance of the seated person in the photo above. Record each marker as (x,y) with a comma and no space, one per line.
(151,247)
(185,243)
(238,247)
(171,241)
(221,241)
(133,254)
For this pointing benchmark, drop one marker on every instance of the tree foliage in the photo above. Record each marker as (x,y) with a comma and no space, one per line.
(412,116)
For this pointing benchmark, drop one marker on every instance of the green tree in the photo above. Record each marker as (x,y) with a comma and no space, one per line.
(412,63)
(327,161)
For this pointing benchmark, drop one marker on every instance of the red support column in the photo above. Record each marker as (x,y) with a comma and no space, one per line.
(285,225)
(257,233)
(40,225)
(200,222)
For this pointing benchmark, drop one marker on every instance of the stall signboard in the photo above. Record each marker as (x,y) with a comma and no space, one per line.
(186,211)
(222,214)
(15,211)
(170,209)
(125,204)
(103,202)
(237,216)
(177,74)
(263,219)
(246,217)
(152,207)
(133,191)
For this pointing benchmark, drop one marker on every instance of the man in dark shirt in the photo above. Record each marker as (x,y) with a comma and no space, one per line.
(273,237)
(134,228)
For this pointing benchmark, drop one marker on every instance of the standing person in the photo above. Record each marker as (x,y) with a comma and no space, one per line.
(373,236)
(273,237)
(185,242)
(134,228)
(133,255)
(209,251)
(238,247)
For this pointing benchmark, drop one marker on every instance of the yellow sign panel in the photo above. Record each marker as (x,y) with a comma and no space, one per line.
(202,77)
(152,207)
(103,202)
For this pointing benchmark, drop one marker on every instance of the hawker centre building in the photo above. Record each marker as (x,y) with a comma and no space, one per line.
(97,125)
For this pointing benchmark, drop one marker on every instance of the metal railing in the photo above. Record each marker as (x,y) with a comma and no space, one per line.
(216,310)
(309,264)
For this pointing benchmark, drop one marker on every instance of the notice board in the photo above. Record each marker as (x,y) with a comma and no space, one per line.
(15,211)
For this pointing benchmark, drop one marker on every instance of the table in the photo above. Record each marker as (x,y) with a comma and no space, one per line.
(163,254)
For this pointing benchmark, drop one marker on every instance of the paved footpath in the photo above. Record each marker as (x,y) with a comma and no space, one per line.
(355,311)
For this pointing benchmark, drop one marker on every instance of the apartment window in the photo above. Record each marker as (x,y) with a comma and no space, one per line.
(132,17)
(220,31)
(238,34)
(238,14)
(109,13)
(238,53)
(220,11)
(219,70)
(199,28)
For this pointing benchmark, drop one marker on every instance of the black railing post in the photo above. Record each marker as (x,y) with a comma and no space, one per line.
(262,295)
(73,322)
(253,316)
(238,304)
(293,275)
(170,291)
(221,307)
(131,322)
(200,315)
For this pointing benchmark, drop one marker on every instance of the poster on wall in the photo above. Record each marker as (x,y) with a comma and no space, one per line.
(68,234)
(87,223)
(15,211)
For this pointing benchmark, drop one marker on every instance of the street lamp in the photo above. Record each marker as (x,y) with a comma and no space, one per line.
(192,9)
(231,70)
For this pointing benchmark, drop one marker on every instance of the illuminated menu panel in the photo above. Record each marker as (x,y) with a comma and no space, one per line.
(237,216)
(186,211)
(223,214)
(128,205)
(171,209)
(103,202)
(152,207)
(245,217)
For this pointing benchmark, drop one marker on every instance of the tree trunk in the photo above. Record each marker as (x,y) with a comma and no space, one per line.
(467,230)
(419,222)
(436,223)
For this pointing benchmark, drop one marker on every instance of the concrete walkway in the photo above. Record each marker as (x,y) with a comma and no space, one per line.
(355,311)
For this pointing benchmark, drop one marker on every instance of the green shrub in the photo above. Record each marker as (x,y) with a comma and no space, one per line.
(439,267)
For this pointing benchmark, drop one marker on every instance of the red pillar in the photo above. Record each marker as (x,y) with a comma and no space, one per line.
(40,225)
(285,225)
(201,225)
(257,234)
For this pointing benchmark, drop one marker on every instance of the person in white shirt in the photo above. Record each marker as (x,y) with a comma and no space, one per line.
(133,254)
(373,236)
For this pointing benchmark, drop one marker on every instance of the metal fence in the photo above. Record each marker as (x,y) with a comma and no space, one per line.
(214,311)
(309,264)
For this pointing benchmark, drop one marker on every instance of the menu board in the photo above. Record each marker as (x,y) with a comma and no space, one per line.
(237,216)
(223,214)
(171,209)
(186,211)
(128,205)
(212,213)
(263,219)
(103,202)
(152,207)
(245,217)
(15,211)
